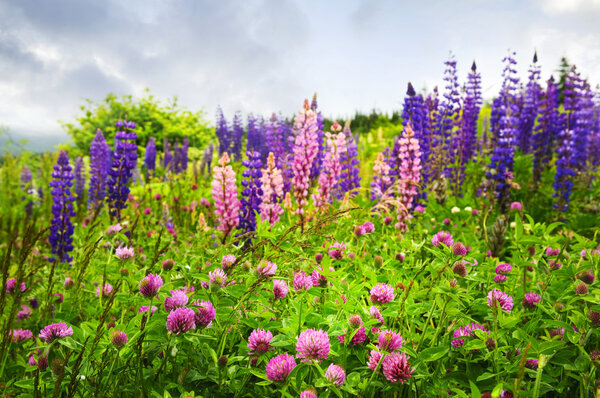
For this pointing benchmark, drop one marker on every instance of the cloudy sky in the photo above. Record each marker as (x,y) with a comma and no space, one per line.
(268,55)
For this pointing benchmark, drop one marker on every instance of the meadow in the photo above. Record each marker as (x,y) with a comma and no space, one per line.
(450,252)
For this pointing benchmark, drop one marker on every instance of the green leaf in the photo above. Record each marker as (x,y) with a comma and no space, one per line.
(433,353)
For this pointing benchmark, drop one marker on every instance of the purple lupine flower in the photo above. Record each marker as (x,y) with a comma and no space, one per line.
(99,166)
(531,300)
(565,170)
(184,150)
(504,300)
(150,157)
(504,127)
(382,293)
(396,368)
(305,150)
(224,193)
(279,367)
(150,285)
(181,320)
(177,158)
(61,227)
(578,106)
(317,164)
(280,289)
(167,155)
(414,112)
(27,187)
(549,125)
(222,132)
(79,179)
(336,146)
(255,139)
(252,192)
(409,176)
(389,341)
(259,342)
(205,314)
(529,111)
(313,345)
(335,374)
(124,162)
(55,331)
(465,331)
(177,299)
(349,179)
(237,134)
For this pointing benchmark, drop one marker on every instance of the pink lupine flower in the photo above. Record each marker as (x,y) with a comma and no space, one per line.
(409,176)
(205,314)
(382,293)
(266,269)
(389,341)
(305,150)
(272,192)
(181,320)
(279,367)
(302,281)
(336,250)
(259,341)
(381,176)
(465,331)
(396,367)
(504,300)
(442,237)
(105,291)
(335,374)
(224,193)
(124,253)
(313,345)
(280,289)
(150,285)
(374,359)
(178,299)
(336,145)
(55,331)
(217,277)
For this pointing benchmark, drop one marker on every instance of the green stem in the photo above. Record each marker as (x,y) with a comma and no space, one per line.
(426,325)
(538,376)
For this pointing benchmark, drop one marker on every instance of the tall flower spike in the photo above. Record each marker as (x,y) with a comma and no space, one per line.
(531,101)
(99,166)
(124,162)
(381,177)
(336,146)
(549,125)
(222,132)
(272,192)
(61,227)
(317,165)
(414,113)
(150,157)
(79,179)
(252,192)
(409,176)
(305,150)
(349,181)
(224,193)
(236,137)
(565,170)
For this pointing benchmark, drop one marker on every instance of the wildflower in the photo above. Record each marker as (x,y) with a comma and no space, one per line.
(168,264)
(594,316)
(359,337)
(336,251)
(280,289)
(516,206)
(587,277)
(150,285)
(335,374)
(217,277)
(266,269)
(178,299)
(581,289)
(224,192)
(442,237)
(318,257)
(113,229)
(313,345)
(11,285)
(181,320)
(531,300)
(68,283)
(336,145)
(465,331)
(375,313)
(396,367)
(228,261)
(118,338)
(145,308)
(550,252)
(61,228)
(374,358)
(500,278)
(504,300)
(99,165)
(280,367)
(532,364)
(390,341)
(55,331)
(455,210)
(460,269)
(308,394)
(318,279)
(259,341)
(400,257)
(272,192)
(469,209)
(123,163)
(459,249)
(124,252)
(409,175)
(302,281)
(19,335)
(106,290)
(382,293)
(503,268)
(205,314)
